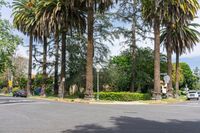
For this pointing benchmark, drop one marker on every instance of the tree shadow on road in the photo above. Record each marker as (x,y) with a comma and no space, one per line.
(138,125)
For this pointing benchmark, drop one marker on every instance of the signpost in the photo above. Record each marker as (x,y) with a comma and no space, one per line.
(98,68)
(166,79)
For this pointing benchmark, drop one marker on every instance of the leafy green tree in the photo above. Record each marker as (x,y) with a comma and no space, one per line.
(119,70)
(189,78)
(197,75)
(129,13)
(8,44)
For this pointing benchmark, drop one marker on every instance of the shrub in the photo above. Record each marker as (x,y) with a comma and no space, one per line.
(22,82)
(4,90)
(37,91)
(182,92)
(15,89)
(49,91)
(123,96)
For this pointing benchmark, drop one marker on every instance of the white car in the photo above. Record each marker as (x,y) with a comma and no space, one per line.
(198,93)
(192,95)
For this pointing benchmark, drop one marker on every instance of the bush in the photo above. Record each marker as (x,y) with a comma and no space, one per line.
(49,91)
(37,91)
(15,89)
(182,92)
(123,96)
(4,90)
(22,82)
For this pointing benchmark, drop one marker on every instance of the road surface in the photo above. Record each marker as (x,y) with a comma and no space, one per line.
(18,115)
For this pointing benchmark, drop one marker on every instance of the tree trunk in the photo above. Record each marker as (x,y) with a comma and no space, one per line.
(133,47)
(157,89)
(29,83)
(169,70)
(56,37)
(63,67)
(90,53)
(44,65)
(177,73)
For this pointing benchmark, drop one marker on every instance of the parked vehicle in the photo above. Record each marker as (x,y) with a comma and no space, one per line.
(20,93)
(192,95)
(198,93)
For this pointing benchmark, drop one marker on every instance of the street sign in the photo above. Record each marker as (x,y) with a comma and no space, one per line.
(166,79)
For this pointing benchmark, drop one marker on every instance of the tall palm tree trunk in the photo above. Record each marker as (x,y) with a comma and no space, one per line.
(56,36)
(90,53)
(63,67)
(169,70)
(133,47)
(177,77)
(29,83)
(44,64)
(157,91)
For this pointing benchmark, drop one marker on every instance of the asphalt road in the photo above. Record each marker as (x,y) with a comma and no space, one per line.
(34,116)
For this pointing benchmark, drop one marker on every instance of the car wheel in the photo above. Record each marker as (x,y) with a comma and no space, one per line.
(197,98)
(188,99)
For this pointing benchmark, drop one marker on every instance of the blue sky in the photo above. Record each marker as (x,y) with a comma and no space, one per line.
(193,59)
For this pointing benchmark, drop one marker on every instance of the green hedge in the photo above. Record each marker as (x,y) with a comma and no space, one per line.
(123,96)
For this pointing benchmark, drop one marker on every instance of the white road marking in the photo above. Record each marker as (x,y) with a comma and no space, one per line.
(23,103)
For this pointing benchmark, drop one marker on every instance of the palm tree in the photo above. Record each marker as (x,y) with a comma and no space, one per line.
(153,12)
(92,6)
(56,45)
(188,37)
(90,51)
(157,13)
(179,15)
(183,38)
(25,11)
(24,21)
(62,16)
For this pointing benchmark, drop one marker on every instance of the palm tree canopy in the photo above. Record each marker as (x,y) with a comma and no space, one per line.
(24,12)
(170,11)
(24,15)
(182,37)
(61,13)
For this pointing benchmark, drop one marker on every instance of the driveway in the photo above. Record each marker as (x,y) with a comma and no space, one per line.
(18,115)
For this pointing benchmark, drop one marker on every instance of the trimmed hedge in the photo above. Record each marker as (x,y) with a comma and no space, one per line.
(123,96)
